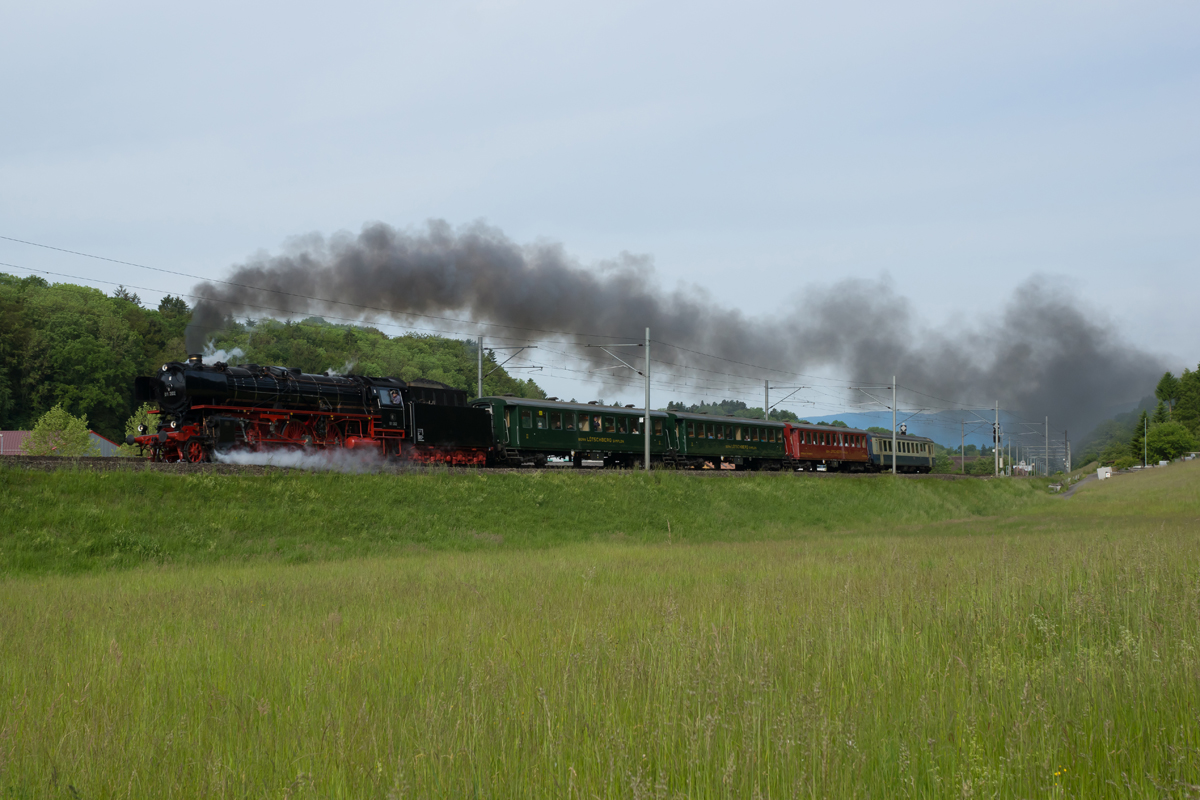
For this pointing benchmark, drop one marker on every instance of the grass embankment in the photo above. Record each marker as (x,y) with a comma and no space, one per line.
(76,521)
(1054,652)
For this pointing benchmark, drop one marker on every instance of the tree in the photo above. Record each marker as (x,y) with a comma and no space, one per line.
(1168,441)
(1167,391)
(171,306)
(124,294)
(1136,445)
(1187,406)
(879,430)
(1160,414)
(59,433)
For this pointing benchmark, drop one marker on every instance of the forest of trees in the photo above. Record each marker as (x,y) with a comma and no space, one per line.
(1168,431)
(78,348)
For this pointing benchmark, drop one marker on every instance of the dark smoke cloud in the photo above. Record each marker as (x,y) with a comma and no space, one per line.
(1043,355)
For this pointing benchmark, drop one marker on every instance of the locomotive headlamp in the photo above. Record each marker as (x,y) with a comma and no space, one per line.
(164,367)
(173,424)
(141,428)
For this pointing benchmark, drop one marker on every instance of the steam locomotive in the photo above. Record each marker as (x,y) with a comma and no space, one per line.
(206,409)
(209,408)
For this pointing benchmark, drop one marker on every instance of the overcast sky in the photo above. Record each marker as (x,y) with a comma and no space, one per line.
(953,148)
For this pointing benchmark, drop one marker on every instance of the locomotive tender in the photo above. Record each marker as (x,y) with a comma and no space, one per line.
(206,409)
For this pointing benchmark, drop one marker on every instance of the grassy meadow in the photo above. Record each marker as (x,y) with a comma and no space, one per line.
(894,638)
(81,521)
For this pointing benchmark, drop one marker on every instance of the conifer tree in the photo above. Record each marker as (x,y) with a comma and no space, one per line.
(1137,444)
(1167,392)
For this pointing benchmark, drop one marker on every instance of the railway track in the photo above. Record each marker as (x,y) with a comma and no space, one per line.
(111,464)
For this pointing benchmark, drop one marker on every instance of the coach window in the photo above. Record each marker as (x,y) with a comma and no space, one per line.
(556,421)
(541,420)
(658,427)
(526,419)
(720,431)
(570,420)
(691,429)
(596,423)
(635,425)
(610,425)
(584,425)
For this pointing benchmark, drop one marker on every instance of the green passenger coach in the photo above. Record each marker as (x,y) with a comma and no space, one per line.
(745,443)
(533,431)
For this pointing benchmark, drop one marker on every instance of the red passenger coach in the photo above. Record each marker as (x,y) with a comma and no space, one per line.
(839,449)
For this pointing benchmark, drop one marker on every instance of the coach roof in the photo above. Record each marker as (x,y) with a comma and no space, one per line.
(566,406)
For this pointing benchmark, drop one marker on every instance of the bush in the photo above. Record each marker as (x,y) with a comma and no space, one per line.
(59,433)
(984,465)
(1169,440)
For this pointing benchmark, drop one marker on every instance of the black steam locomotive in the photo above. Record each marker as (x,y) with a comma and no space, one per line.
(207,408)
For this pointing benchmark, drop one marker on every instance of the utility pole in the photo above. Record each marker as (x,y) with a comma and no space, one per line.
(647,399)
(996,443)
(893,424)
(962,447)
(767,401)
(1145,450)
(480,368)
(1047,447)
(1066,452)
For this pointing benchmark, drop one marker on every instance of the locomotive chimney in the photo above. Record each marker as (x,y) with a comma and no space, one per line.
(195,359)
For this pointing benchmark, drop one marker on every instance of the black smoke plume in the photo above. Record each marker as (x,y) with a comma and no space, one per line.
(1044,355)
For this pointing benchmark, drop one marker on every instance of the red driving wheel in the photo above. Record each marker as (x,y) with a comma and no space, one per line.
(194,451)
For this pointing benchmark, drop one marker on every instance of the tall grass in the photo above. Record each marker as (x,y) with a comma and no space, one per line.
(1046,655)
